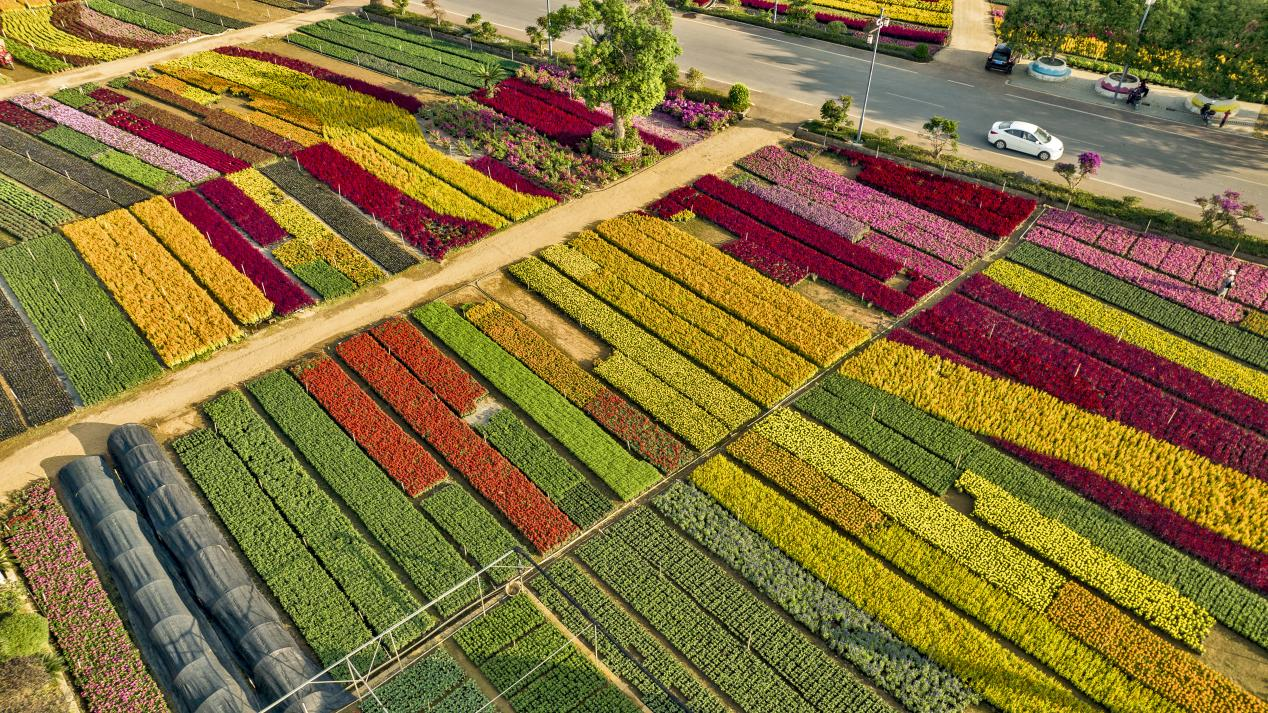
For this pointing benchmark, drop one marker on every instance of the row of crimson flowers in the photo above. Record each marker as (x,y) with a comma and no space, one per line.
(21,118)
(104,664)
(441,374)
(1189,385)
(285,294)
(1243,563)
(785,221)
(400,454)
(1040,361)
(987,209)
(432,233)
(550,121)
(177,143)
(404,101)
(844,276)
(243,210)
(508,177)
(595,118)
(761,258)
(501,483)
(898,32)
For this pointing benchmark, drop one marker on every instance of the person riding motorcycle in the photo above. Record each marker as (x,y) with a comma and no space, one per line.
(1137,95)
(1207,113)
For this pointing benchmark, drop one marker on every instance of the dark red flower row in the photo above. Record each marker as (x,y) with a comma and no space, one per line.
(28,121)
(404,101)
(106,95)
(499,172)
(1199,389)
(440,373)
(244,211)
(548,120)
(980,207)
(577,108)
(285,294)
(844,276)
(1241,562)
(501,483)
(178,143)
(432,233)
(816,236)
(400,454)
(627,423)
(760,258)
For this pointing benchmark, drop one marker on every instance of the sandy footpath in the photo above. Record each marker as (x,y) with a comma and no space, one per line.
(41,451)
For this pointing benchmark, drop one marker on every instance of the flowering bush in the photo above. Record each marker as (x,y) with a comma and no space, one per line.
(430,365)
(103,663)
(556,79)
(854,22)
(694,114)
(594,117)
(987,209)
(277,286)
(388,444)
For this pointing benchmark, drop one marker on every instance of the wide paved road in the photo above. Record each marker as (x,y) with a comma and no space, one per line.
(1170,162)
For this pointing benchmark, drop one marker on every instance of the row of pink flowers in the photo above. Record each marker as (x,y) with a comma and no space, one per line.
(1227,402)
(783,220)
(902,221)
(901,32)
(1035,359)
(178,143)
(499,172)
(243,210)
(103,662)
(816,213)
(285,294)
(910,258)
(432,233)
(404,101)
(1188,263)
(1137,274)
(147,151)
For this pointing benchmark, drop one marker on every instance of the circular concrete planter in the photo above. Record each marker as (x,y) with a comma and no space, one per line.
(1107,86)
(1219,106)
(606,155)
(1049,69)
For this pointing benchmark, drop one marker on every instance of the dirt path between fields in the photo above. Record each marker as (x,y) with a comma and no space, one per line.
(41,451)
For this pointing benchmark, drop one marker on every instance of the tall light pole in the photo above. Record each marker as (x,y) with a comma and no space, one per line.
(1135,46)
(550,37)
(874,39)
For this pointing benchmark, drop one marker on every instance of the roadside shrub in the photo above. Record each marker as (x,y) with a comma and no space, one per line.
(738,98)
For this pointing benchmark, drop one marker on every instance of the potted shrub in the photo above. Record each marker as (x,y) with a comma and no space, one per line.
(1049,69)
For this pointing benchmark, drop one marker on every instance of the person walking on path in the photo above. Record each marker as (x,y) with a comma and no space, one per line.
(1229,281)
(1224,120)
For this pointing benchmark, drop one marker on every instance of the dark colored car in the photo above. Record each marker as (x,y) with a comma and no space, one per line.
(1001,60)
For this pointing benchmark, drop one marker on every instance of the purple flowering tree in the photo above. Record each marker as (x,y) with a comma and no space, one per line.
(1223,213)
(1074,173)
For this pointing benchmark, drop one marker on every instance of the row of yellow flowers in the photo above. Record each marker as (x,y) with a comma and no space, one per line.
(234,290)
(34,27)
(183,88)
(540,356)
(715,355)
(1005,679)
(1129,327)
(991,557)
(652,354)
(271,123)
(919,15)
(772,356)
(288,113)
(790,319)
(305,228)
(171,310)
(1159,604)
(662,402)
(1214,496)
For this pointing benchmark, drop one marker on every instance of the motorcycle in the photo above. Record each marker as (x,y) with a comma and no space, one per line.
(1207,114)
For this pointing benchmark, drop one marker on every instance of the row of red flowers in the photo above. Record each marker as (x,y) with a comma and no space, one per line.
(183,145)
(1243,563)
(501,483)
(595,118)
(432,233)
(404,101)
(1044,363)
(285,294)
(104,664)
(499,172)
(1229,403)
(844,276)
(981,207)
(794,226)
(760,258)
(243,210)
(550,121)
(433,367)
(21,118)
(399,453)
(106,95)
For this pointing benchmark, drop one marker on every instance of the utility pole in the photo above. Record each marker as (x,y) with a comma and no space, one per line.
(874,39)
(1135,47)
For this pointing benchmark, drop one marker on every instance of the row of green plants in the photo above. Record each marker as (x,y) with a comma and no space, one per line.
(664,403)
(435,682)
(360,571)
(431,70)
(477,533)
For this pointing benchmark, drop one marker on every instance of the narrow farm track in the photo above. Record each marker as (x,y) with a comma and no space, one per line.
(41,451)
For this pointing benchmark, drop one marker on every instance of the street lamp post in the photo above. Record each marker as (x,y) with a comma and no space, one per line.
(874,39)
(1135,46)
(550,38)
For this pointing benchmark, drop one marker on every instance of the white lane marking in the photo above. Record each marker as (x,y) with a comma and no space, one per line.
(1135,189)
(963,84)
(913,99)
(1107,118)
(794,44)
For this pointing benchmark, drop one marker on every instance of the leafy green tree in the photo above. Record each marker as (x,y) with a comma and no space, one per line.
(943,134)
(1037,27)
(802,12)
(835,113)
(626,53)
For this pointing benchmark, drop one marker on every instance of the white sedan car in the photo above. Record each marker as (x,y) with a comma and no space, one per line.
(1026,138)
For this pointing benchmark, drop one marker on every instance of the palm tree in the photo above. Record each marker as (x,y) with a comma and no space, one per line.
(489,74)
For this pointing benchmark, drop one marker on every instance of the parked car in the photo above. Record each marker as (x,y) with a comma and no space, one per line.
(1001,59)
(1026,138)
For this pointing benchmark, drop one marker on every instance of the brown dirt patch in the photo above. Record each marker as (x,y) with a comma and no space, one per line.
(541,316)
(847,306)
